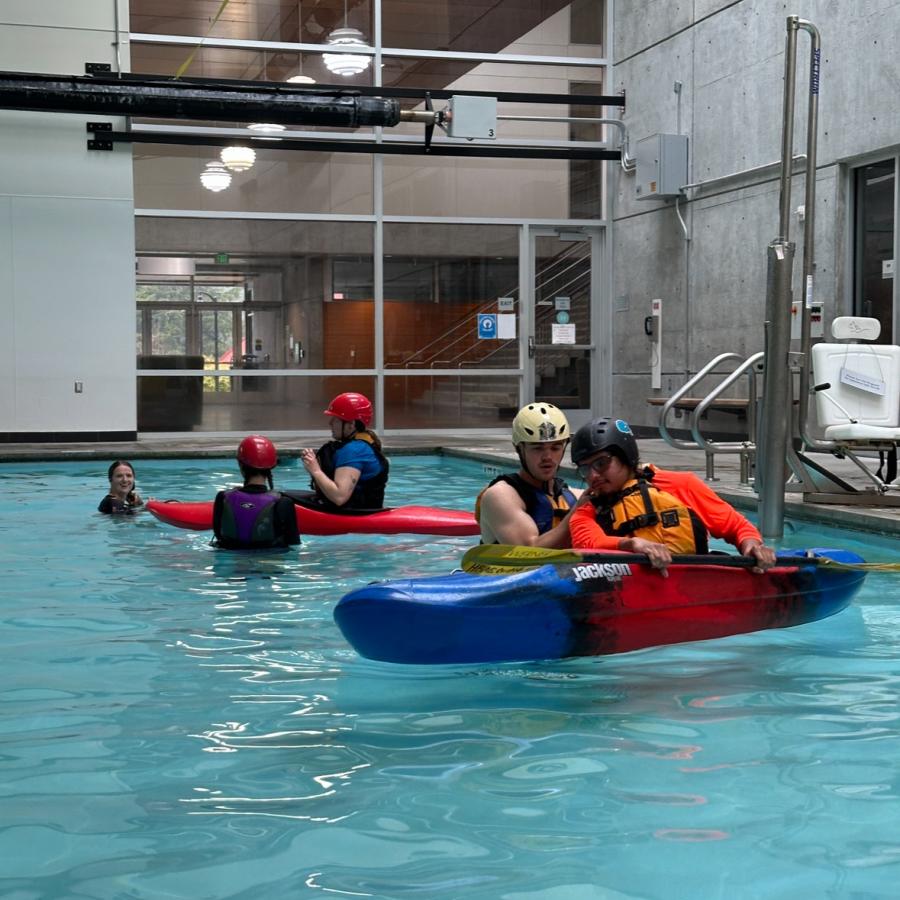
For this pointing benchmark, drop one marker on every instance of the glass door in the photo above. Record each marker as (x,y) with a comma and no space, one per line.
(560,326)
(876,189)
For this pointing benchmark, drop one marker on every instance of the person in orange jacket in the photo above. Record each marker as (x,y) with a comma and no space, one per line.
(643,509)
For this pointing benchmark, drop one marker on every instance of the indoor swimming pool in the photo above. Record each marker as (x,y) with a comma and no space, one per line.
(182,722)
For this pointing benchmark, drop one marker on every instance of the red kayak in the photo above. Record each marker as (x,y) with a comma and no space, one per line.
(310,520)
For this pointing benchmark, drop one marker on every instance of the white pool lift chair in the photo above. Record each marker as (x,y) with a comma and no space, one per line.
(857,390)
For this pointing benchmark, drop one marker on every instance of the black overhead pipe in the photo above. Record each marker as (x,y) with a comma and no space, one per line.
(106,137)
(159,98)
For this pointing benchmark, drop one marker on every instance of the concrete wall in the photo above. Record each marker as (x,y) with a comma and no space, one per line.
(729,57)
(66,240)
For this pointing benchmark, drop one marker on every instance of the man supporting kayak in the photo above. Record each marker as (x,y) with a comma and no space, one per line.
(643,509)
(531,508)
(255,516)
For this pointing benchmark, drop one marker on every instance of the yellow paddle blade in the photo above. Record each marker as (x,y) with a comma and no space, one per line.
(499,559)
(860,567)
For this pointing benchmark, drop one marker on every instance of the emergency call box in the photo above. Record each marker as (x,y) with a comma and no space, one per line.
(661,166)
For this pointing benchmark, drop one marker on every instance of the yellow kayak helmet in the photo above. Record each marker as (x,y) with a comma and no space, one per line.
(539,423)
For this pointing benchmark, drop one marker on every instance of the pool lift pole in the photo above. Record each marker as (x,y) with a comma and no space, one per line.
(775,450)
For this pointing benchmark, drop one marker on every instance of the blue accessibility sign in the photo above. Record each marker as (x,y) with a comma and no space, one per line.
(487,325)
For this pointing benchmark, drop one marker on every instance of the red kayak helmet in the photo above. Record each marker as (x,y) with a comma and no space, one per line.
(351,406)
(258,452)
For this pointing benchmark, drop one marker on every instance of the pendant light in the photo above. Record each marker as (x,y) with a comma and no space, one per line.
(238,159)
(347,64)
(215,177)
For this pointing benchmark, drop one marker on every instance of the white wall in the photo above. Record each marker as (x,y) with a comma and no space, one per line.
(66,238)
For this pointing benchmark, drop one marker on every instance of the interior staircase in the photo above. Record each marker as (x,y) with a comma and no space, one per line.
(561,375)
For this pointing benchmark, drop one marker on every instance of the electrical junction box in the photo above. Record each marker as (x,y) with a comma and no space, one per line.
(816,325)
(472,117)
(661,166)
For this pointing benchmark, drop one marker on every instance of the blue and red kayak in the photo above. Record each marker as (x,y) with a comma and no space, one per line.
(593,608)
(315,520)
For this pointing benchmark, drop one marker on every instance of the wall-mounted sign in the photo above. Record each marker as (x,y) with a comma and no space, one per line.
(562,317)
(562,334)
(487,326)
(506,304)
(506,327)
(562,302)
(221,259)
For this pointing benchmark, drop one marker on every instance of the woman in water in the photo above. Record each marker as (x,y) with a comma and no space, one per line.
(122,496)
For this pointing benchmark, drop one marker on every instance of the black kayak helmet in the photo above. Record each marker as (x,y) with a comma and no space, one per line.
(605,434)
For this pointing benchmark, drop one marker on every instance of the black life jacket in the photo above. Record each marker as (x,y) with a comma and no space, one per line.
(547,506)
(642,510)
(367,494)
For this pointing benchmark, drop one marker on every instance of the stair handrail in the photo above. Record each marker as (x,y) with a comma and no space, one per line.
(560,259)
(463,320)
(730,446)
(678,443)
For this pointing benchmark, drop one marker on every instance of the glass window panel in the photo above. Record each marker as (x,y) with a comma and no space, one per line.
(219,293)
(168,177)
(163,292)
(168,332)
(539,27)
(245,64)
(875,225)
(586,175)
(217,335)
(476,187)
(302,291)
(562,272)
(586,21)
(437,279)
(259,20)
(250,403)
(448,401)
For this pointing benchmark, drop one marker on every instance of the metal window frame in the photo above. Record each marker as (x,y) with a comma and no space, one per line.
(601,229)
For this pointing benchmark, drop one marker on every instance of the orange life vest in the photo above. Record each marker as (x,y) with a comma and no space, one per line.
(642,510)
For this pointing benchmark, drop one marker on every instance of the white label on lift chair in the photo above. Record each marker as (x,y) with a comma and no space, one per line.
(862,382)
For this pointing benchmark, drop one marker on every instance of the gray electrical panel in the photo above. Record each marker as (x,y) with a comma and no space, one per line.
(661,166)
(472,117)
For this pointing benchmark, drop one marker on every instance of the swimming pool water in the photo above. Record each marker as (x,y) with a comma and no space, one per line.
(181,722)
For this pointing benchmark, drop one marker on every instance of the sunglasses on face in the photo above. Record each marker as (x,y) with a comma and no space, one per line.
(597,466)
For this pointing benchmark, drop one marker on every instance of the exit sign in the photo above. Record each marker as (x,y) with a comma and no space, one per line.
(221,259)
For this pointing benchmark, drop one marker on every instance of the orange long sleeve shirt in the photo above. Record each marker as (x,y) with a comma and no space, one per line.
(720,518)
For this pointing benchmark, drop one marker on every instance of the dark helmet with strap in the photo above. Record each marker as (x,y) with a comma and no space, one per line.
(257,452)
(605,434)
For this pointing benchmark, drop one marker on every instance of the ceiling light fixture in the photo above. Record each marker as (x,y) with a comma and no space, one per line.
(238,159)
(347,64)
(301,79)
(215,177)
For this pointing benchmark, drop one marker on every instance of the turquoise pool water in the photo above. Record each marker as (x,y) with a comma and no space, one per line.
(180,722)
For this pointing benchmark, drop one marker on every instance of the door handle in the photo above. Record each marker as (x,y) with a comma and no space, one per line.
(531,346)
